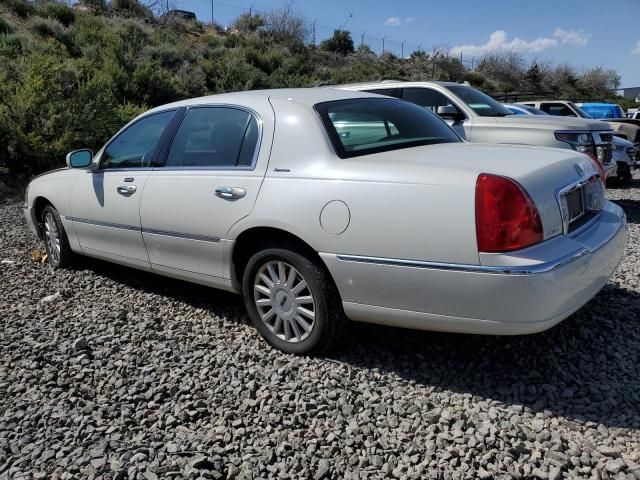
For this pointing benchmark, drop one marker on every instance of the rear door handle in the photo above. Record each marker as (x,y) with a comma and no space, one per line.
(230,193)
(127,190)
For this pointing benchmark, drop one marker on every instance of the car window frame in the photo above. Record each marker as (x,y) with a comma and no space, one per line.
(254,160)
(161,141)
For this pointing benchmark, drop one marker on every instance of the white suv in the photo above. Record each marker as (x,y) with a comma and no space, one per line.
(476,117)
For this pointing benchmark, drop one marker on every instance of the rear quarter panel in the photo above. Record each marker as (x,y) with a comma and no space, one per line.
(393,210)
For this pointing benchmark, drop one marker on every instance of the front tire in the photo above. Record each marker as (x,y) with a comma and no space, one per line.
(55,239)
(292,301)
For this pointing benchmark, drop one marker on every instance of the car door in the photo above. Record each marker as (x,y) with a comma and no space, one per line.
(105,202)
(207,183)
(432,99)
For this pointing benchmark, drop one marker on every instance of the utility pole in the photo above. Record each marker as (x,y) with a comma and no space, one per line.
(362,38)
(313,32)
(383,44)
(211,12)
(402,49)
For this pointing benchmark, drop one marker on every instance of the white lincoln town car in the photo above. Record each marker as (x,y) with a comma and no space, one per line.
(320,205)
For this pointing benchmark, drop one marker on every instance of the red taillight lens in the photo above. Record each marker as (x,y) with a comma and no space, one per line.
(506,217)
(600,168)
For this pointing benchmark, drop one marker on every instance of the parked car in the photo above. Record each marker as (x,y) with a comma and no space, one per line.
(623,127)
(523,109)
(624,157)
(602,110)
(320,203)
(611,167)
(477,117)
(557,108)
(633,114)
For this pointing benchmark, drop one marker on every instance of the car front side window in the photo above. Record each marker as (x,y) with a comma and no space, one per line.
(215,137)
(136,145)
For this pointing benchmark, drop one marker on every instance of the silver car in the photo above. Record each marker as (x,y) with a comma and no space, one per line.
(320,205)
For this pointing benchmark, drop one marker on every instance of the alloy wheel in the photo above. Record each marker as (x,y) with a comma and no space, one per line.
(284,301)
(52,237)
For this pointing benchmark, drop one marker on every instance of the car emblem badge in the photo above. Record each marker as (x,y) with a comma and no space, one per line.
(579,170)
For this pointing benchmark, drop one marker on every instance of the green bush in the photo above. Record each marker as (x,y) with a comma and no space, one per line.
(22,8)
(58,11)
(10,46)
(5,26)
(340,42)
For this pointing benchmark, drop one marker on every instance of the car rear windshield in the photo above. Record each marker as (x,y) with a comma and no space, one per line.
(482,104)
(362,126)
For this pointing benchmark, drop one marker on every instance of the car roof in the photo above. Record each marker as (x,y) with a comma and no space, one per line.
(307,96)
(598,104)
(393,83)
(545,100)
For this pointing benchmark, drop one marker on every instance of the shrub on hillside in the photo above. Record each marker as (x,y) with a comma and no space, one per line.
(47,27)
(22,8)
(5,26)
(341,42)
(247,23)
(10,47)
(59,11)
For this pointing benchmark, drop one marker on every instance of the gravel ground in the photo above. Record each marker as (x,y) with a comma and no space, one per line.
(107,372)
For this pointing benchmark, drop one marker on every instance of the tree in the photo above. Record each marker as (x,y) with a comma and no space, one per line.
(285,25)
(597,83)
(341,42)
(247,23)
(534,76)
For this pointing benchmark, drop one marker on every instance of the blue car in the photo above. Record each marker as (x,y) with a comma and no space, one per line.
(603,110)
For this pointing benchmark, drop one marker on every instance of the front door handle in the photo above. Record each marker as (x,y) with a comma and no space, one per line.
(127,189)
(230,193)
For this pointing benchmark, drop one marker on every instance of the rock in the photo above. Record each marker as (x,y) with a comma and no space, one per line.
(80,344)
(322,470)
(615,466)
(150,475)
(50,298)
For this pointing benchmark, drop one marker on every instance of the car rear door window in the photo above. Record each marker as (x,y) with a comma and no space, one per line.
(135,146)
(215,137)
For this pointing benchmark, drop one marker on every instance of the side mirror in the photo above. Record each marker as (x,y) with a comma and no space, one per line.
(449,112)
(79,158)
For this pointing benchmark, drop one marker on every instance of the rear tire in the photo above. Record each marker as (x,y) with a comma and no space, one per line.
(55,239)
(624,173)
(292,301)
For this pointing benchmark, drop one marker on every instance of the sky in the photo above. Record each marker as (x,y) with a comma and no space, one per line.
(584,33)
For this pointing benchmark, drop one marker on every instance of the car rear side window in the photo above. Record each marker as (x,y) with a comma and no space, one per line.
(557,109)
(135,146)
(427,98)
(363,126)
(215,137)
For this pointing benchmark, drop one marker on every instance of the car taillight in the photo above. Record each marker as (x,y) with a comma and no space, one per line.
(506,217)
(600,168)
